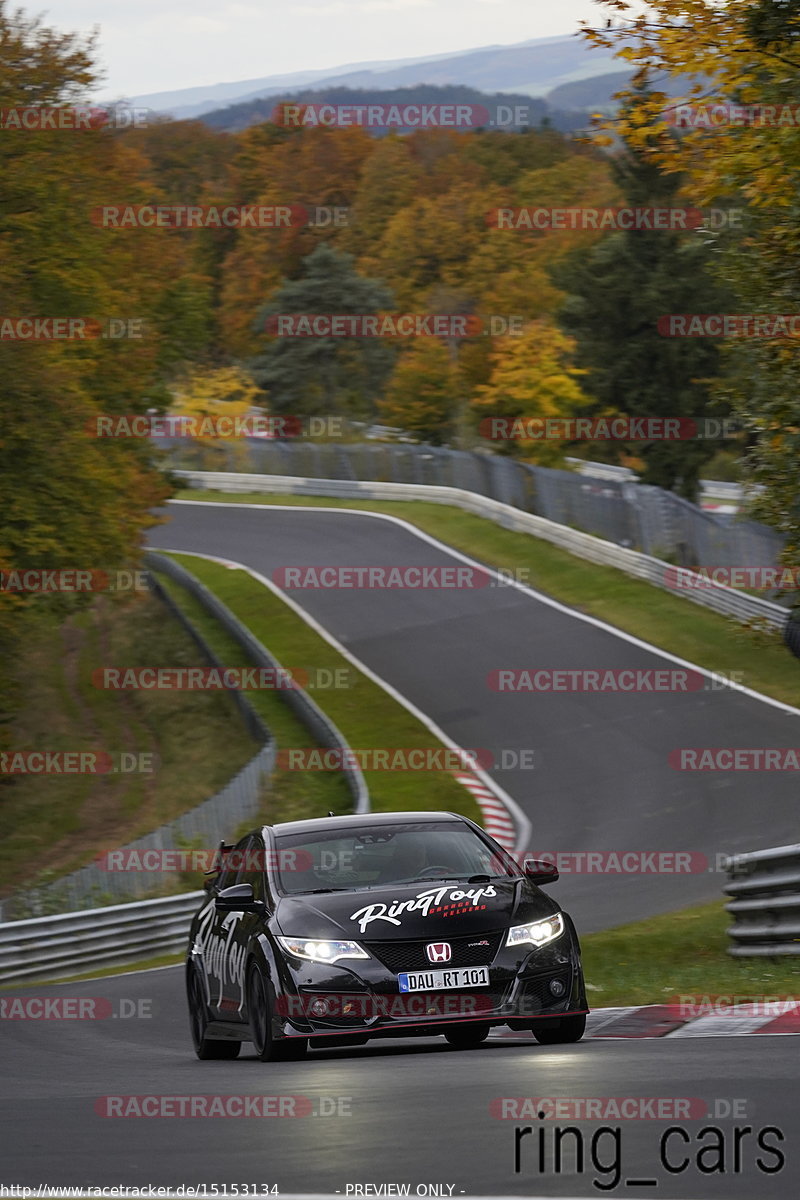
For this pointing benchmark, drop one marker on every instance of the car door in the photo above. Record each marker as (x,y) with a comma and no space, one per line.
(218,934)
(239,927)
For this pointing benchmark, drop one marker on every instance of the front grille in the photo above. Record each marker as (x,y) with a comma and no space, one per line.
(410,956)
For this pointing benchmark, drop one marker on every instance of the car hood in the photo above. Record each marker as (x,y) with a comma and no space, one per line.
(417,910)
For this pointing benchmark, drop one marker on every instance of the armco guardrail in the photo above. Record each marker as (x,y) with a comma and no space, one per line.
(295,698)
(73,943)
(722,599)
(765,887)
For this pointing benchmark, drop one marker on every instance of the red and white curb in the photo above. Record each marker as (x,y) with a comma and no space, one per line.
(671,1021)
(497,819)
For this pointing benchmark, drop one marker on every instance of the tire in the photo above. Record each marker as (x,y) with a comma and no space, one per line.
(467,1037)
(555,1033)
(259,1010)
(205,1048)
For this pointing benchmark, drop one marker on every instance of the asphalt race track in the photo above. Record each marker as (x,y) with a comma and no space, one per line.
(420,1113)
(601,779)
(415,1113)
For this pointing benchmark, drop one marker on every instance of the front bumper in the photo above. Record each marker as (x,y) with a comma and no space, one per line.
(321,1000)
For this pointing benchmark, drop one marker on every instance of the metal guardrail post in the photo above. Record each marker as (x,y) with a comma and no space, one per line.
(765,886)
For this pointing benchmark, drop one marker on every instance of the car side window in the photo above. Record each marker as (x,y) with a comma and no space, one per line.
(252,868)
(235,861)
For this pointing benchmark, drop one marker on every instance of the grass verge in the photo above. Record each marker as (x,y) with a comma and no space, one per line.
(55,823)
(682,953)
(756,659)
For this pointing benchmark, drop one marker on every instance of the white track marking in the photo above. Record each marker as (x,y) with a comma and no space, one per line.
(789,709)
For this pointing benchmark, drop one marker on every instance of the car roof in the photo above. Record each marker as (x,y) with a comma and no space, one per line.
(325,824)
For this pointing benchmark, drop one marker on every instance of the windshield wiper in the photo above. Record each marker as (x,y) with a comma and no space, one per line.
(436,879)
(319,891)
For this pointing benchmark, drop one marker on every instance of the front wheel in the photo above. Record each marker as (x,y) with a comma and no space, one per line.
(268,1048)
(467,1037)
(204,1047)
(567,1029)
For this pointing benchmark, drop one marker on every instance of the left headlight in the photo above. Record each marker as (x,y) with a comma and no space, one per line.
(537,934)
(322,952)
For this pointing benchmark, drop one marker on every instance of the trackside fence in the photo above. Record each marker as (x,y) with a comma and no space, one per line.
(765,886)
(616,508)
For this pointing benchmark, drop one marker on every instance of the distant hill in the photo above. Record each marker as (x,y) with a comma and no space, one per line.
(596,94)
(589,94)
(252,112)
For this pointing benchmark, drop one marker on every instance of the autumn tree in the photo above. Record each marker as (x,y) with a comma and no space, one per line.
(331,374)
(207,394)
(746,53)
(533,376)
(69,499)
(422,394)
(618,292)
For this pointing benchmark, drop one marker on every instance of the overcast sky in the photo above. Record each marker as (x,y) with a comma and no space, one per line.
(160,45)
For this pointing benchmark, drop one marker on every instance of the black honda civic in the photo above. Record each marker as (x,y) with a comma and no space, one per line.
(334,931)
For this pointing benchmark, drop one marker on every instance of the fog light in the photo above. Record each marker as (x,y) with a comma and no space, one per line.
(320,1008)
(556,987)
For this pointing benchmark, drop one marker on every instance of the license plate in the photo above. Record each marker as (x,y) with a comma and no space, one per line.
(436,981)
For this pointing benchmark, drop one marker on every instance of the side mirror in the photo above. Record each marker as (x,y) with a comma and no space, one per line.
(537,870)
(239,898)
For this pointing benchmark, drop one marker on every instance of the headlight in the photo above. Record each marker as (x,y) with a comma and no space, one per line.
(322,952)
(537,934)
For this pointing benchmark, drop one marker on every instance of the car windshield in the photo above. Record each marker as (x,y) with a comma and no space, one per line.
(382,855)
